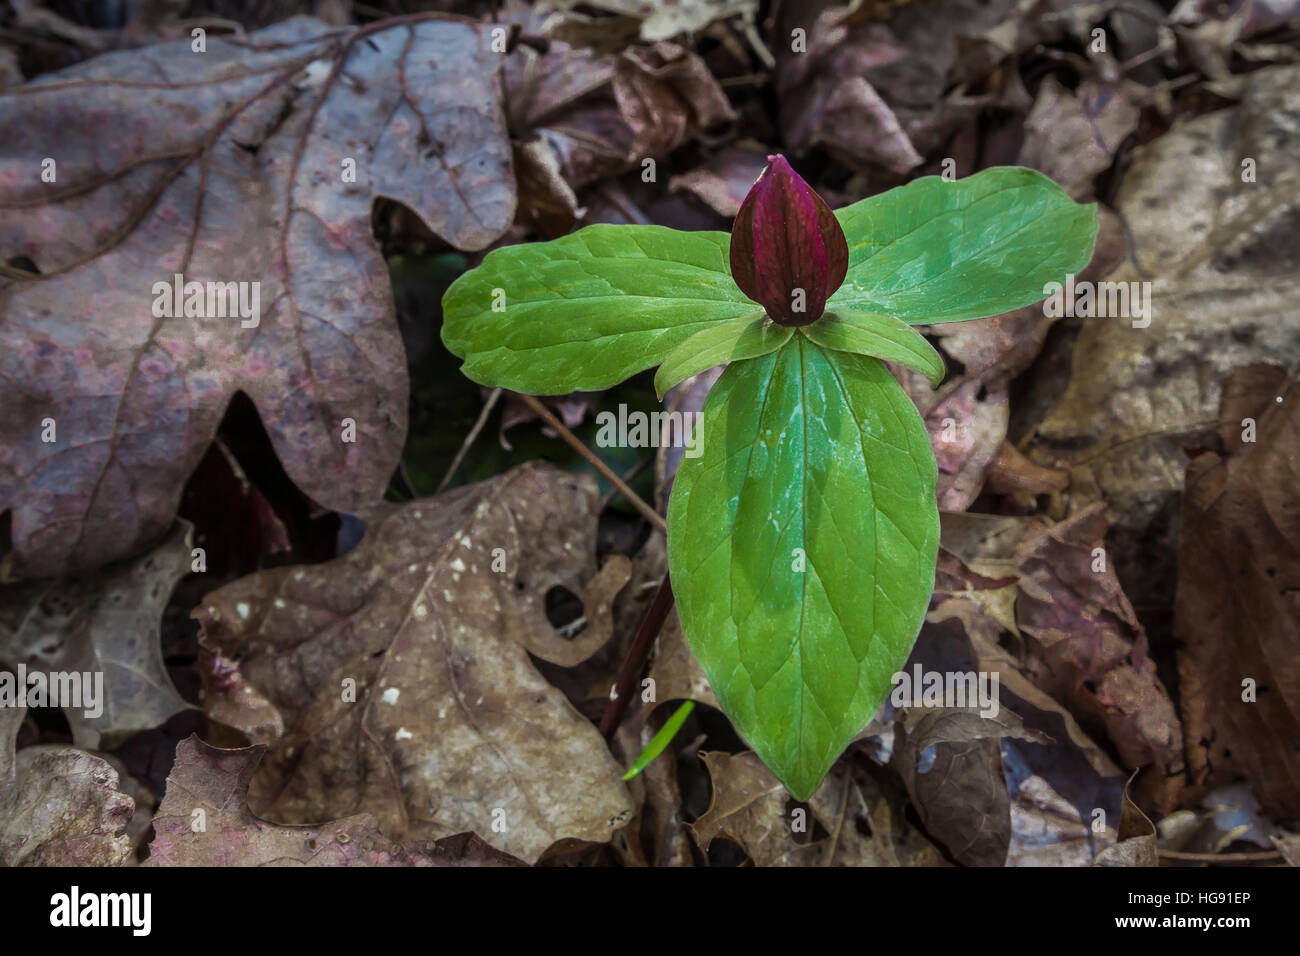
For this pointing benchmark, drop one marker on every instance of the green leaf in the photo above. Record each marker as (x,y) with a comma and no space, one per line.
(661,740)
(746,337)
(881,336)
(939,251)
(590,309)
(817,456)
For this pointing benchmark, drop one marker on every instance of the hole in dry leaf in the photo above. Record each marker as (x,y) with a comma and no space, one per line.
(23,262)
(564,611)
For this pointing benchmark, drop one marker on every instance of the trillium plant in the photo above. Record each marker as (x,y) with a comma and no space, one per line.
(802,541)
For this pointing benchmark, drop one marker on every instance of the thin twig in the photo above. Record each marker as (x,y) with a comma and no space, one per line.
(627,476)
(1221,857)
(576,444)
(646,632)
(469,439)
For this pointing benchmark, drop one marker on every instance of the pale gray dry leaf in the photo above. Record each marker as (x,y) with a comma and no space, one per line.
(233,166)
(210,786)
(63,809)
(452,726)
(1221,256)
(108,624)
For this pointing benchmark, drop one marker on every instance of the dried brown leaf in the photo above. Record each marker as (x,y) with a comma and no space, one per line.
(230,166)
(452,728)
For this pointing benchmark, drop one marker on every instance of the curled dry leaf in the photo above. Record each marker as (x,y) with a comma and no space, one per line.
(103,625)
(63,808)
(395,680)
(210,786)
(1137,840)
(257,164)
(1237,613)
(950,760)
(582,116)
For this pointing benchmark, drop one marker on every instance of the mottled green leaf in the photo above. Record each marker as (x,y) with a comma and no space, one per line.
(940,251)
(880,336)
(746,337)
(590,309)
(802,546)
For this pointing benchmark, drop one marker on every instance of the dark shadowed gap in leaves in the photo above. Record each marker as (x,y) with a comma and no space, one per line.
(313,532)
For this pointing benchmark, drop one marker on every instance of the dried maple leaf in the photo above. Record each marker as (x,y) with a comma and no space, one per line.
(255,162)
(446,725)
(204,820)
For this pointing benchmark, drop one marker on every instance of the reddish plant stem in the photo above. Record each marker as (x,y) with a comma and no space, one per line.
(634,662)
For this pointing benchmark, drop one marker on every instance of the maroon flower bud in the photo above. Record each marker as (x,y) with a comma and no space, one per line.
(788,251)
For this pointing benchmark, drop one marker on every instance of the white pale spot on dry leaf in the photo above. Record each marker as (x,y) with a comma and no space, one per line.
(421,612)
(456,564)
(390,695)
(242,610)
(403,734)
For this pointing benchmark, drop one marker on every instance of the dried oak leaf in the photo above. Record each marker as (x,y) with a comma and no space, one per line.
(63,808)
(105,623)
(204,820)
(231,166)
(450,728)
(1238,605)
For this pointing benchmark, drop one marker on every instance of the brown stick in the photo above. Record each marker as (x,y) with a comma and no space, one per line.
(573,442)
(646,632)
(1221,857)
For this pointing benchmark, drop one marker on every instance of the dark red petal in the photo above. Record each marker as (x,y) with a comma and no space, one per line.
(788,252)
